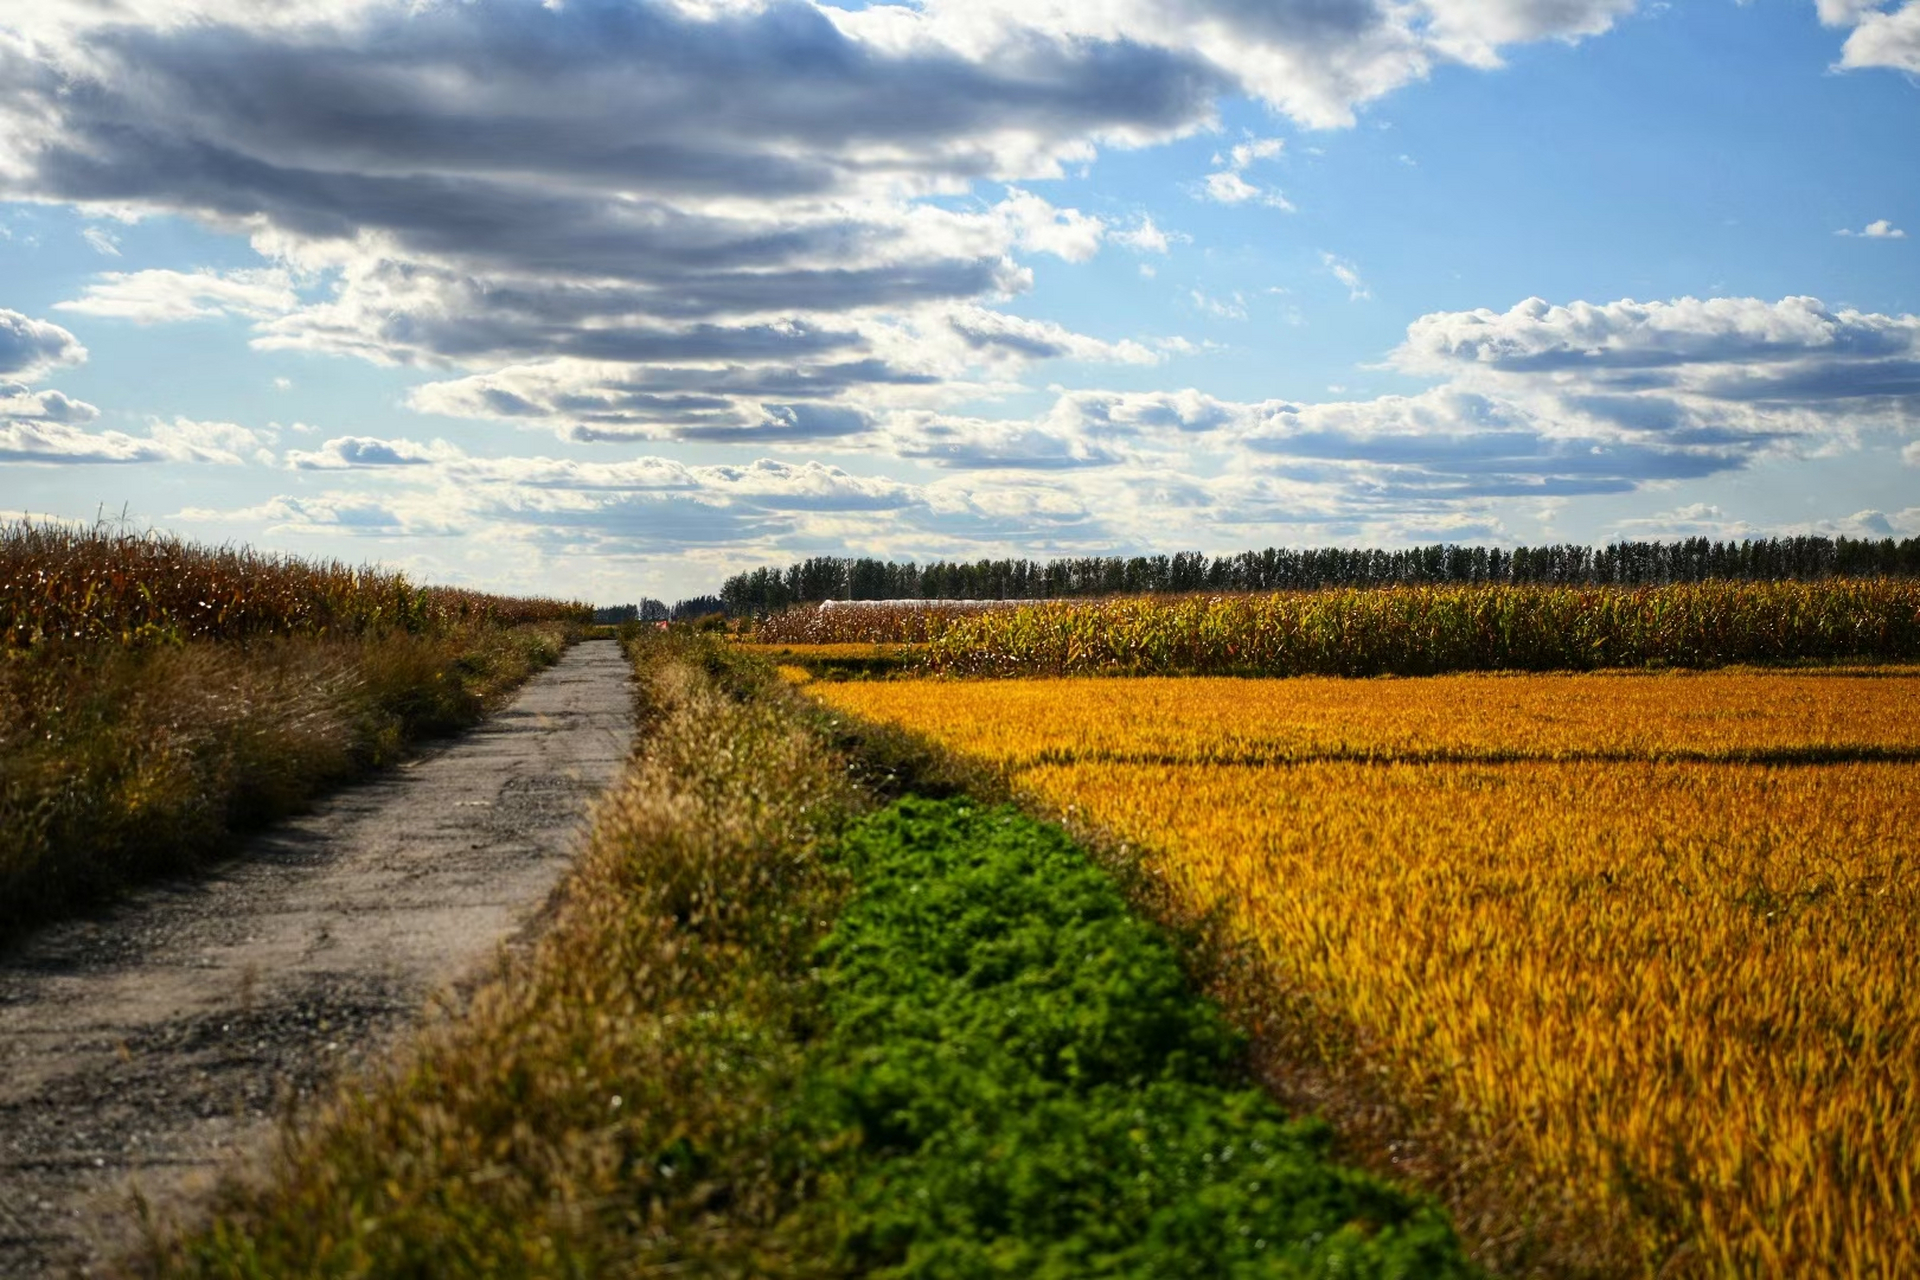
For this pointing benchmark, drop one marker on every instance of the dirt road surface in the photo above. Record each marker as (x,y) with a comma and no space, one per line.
(153,1046)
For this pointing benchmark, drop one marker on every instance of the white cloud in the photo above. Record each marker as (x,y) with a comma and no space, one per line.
(1882,229)
(1246,153)
(20,403)
(1038,227)
(1232,307)
(167,297)
(985,331)
(1230,186)
(228,443)
(1879,38)
(1147,237)
(346,453)
(1733,348)
(1313,60)
(663,187)
(1911,454)
(47,425)
(30,348)
(1531,407)
(1347,274)
(61,437)
(44,441)
(102,241)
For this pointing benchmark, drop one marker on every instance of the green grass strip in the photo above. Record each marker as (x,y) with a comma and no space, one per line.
(1039,1092)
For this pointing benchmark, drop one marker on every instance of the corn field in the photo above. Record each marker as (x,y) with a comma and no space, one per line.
(1423,630)
(59,584)
(860,622)
(1652,937)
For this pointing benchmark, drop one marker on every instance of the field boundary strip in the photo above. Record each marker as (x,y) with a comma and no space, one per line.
(758,1035)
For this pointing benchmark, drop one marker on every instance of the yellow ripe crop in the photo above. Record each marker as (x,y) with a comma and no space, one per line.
(1677,988)
(1723,715)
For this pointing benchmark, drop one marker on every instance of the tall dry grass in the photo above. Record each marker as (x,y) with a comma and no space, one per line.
(613,1104)
(157,697)
(118,763)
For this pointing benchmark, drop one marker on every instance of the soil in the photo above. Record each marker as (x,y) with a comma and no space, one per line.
(150,1049)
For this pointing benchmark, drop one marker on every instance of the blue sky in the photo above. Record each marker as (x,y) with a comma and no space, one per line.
(616,297)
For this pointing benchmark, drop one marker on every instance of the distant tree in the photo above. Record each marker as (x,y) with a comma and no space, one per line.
(811,581)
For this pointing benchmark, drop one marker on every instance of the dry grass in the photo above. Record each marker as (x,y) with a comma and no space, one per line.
(1634,1013)
(611,1104)
(156,697)
(119,763)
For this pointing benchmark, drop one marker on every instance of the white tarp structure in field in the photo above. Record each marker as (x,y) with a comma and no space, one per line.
(926,604)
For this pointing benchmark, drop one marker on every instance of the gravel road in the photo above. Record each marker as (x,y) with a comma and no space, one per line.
(152,1046)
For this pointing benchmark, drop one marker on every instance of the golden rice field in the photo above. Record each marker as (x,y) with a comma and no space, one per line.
(1657,936)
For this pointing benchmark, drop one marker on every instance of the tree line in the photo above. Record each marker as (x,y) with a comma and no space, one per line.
(819,578)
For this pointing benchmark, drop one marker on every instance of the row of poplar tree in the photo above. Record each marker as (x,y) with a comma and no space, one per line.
(822,578)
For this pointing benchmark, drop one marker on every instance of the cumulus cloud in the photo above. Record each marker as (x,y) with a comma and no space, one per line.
(1537,402)
(991,331)
(1694,520)
(1879,37)
(30,348)
(48,441)
(1735,351)
(62,437)
(50,427)
(789,381)
(188,440)
(47,425)
(1535,405)
(723,193)
(346,453)
(1313,60)
(1880,229)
